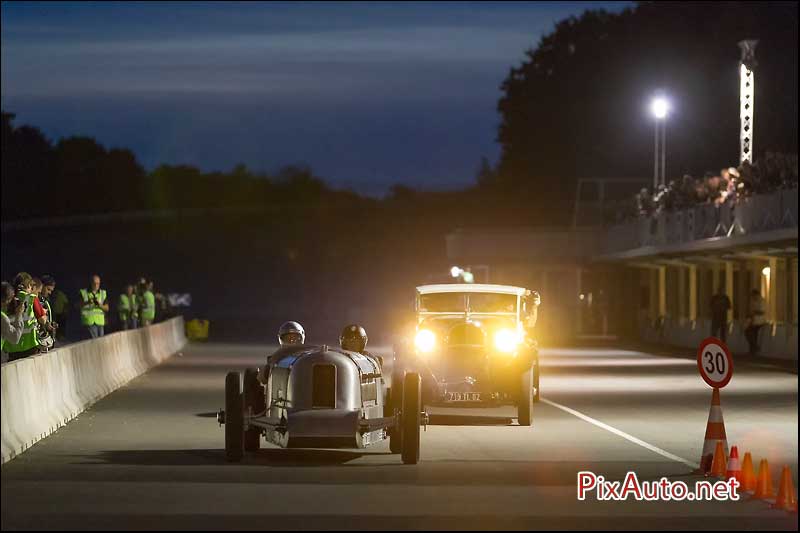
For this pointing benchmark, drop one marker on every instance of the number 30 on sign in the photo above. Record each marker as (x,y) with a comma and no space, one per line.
(714,362)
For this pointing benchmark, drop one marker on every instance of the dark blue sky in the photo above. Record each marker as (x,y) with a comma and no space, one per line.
(368,94)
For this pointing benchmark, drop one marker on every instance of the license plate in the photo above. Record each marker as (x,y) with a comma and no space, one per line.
(463,396)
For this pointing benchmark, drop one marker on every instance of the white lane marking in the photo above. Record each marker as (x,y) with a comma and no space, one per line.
(622,434)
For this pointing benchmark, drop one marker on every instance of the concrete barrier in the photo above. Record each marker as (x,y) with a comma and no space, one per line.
(43,392)
(779,342)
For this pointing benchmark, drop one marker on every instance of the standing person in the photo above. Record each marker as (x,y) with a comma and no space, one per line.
(720,305)
(94,307)
(128,309)
(50,326)
(60,307)
(28,343)
(756,318)
(11,313)
(148,304)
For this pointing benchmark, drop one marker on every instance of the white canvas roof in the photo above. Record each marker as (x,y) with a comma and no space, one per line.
(470,287)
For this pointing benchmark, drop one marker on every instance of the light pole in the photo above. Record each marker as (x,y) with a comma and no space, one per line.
(660,109)
(747,84)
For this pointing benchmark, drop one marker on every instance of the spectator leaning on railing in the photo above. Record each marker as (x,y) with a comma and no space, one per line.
(13,324)
(28,342)
(731,185)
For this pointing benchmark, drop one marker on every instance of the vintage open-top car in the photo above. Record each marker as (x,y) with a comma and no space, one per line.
(320,397)
(472,346)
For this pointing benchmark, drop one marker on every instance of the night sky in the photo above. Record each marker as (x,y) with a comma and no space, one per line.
(368,95)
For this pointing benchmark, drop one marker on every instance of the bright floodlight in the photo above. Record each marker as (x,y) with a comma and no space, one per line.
(455,271)
(765,271)
(660,108)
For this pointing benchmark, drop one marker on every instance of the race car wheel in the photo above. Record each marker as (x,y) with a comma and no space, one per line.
(234,418)
(525,402)
(254,402)
(410,418)
(396,404)
(537,370)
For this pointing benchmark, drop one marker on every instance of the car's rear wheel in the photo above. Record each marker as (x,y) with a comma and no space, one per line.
(410,418)
(395,402)
(254,403)
(234,418)
(525,402)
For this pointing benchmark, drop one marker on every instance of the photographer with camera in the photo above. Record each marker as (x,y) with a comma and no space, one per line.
(94,307)
(11,311)
(28,342)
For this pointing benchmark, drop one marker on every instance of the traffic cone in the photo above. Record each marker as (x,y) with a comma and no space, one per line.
(734,468)
(718,464)
(748,480)
(786,499)
(764,488)
(715,432)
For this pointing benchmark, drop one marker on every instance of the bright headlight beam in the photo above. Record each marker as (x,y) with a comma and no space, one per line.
(425,340)
(506,340)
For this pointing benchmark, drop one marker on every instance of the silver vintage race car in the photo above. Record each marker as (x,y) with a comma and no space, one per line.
(320,397)
(473,346)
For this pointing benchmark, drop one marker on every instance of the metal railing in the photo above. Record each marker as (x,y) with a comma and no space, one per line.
(754,214)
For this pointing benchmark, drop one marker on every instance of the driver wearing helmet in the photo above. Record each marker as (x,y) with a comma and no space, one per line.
(354,339)
(289,334)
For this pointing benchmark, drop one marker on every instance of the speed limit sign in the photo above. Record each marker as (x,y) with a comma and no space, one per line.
(715,362)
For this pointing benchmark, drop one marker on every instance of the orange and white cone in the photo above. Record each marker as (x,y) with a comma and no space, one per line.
(715,432)
(748,474)
(734,467)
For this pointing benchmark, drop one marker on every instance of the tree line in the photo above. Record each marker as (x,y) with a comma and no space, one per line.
(574,108)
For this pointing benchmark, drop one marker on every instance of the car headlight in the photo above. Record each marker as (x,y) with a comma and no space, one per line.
(425,340)
(506,340)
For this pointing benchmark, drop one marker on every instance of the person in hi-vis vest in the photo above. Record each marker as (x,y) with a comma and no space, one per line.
(147,303)
(94,306)
(128,309)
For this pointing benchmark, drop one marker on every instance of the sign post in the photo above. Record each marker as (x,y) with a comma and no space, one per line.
(715,364)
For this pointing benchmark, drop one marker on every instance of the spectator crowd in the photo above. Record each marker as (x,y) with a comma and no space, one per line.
(35,314)
(773,172)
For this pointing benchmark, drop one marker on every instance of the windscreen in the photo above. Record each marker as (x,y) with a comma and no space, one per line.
(487,302)
(479,302)
(443,302)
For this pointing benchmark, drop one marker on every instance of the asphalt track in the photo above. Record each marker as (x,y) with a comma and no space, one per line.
(149,456)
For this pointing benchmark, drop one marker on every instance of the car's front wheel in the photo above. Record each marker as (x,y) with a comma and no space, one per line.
(526,398)
(410,418)
(234,418)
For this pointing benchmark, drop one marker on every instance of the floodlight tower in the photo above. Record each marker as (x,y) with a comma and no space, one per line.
(746,99)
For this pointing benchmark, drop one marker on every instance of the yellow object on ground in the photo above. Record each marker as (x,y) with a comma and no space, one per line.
(197,330)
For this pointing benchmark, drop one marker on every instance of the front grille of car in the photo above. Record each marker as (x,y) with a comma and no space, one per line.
(466,334)
(323,395)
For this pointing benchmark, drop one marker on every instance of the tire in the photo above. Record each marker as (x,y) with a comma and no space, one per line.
(253,401)
(537,371)
(234,418)
(410,418)
(396,403)
(525,401)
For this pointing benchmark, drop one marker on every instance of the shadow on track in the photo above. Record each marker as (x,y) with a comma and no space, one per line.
(274,457)
(469,420)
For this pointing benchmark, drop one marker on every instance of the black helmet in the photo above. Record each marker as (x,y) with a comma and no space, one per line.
(353,338)
(291,333)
